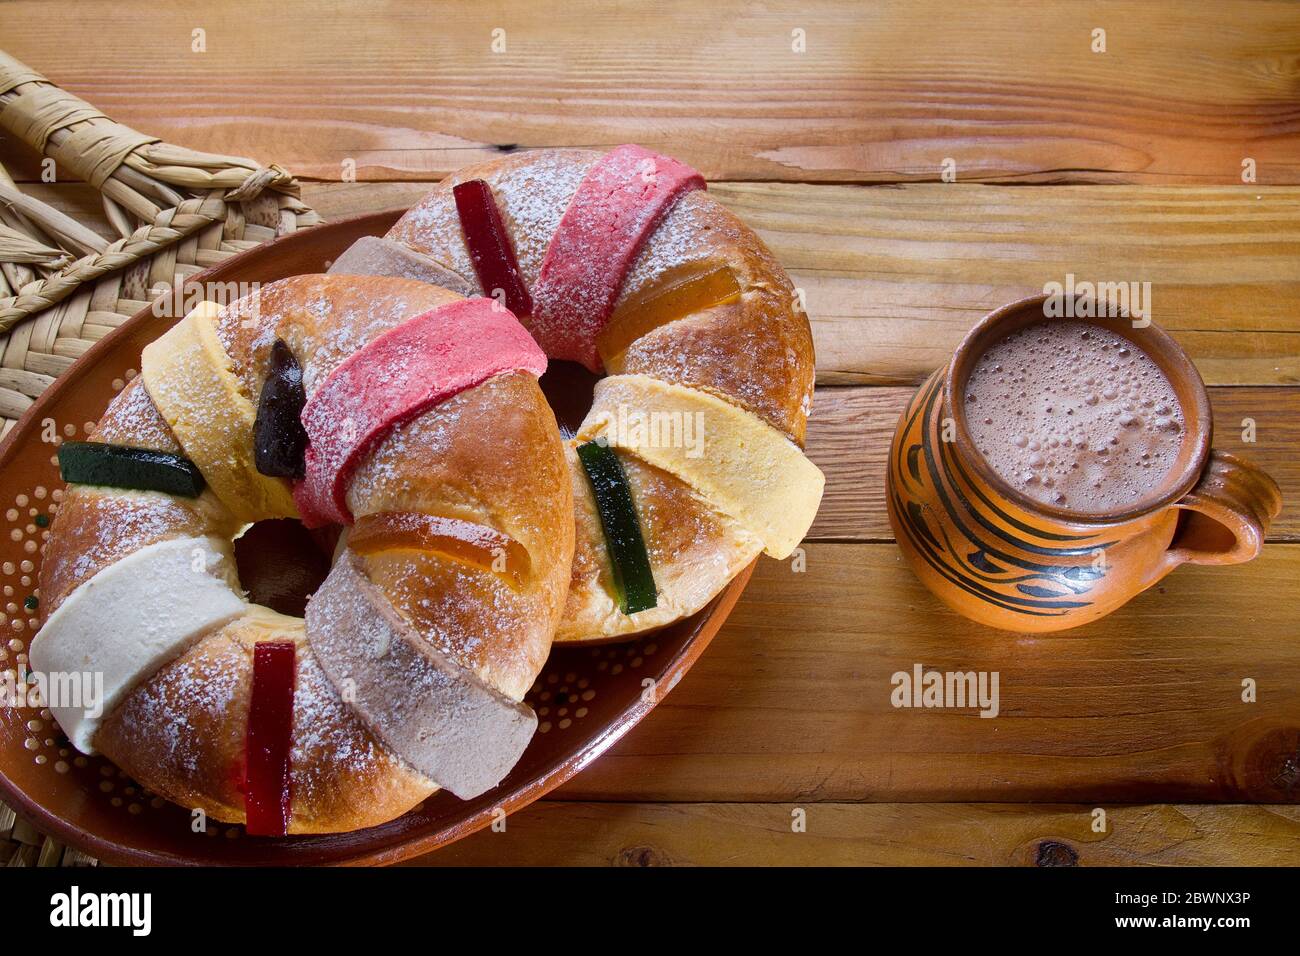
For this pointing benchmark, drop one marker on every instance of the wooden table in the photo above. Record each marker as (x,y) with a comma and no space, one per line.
(1123,165)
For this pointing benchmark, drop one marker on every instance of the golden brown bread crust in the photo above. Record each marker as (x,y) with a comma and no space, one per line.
(471,460)
(95,527)
(694,551)
(342,778)
(491,455)
(756,352)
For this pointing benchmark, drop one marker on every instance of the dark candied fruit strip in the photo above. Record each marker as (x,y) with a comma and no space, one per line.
(489,246)
(120,466)
(634,582)
(279,439)
(268,740)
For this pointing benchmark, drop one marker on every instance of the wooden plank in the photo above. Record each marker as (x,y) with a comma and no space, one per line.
(851,428)
(793,699)
(553,833)
(886,92)
(894,277)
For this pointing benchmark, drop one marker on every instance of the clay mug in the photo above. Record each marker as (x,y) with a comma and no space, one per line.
(997,556)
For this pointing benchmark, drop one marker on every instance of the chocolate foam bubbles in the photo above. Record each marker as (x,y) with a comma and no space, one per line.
(1074,415)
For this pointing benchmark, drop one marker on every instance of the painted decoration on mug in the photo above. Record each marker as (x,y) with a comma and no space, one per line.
(981,548)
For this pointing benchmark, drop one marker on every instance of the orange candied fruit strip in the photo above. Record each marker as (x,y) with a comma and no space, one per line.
(466,542)
(676,296)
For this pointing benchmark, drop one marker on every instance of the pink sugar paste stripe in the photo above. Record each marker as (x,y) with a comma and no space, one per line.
(617,204)
(407,370)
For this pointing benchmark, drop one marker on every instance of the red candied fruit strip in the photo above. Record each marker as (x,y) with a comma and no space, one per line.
(489,245)
(392,379)
(617,205)
(268,740)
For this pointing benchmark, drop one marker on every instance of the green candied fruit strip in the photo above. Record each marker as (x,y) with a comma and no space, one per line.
(633,581)
(119,466)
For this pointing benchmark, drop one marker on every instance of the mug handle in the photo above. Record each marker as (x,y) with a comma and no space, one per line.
(1228,513)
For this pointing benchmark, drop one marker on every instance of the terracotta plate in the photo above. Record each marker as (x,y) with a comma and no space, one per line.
(587,697)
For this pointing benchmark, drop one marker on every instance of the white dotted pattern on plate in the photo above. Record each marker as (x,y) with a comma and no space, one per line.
(560,696)
(27,522)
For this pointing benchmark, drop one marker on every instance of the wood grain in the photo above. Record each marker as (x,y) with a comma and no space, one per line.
(555,833)
(1012,92)
(894,277)
(791,705)
(792,700)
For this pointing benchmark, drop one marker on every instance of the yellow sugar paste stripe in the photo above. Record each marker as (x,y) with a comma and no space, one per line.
(740,464)
(189,376)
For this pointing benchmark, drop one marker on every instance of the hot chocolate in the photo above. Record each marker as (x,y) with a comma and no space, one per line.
(1074,415)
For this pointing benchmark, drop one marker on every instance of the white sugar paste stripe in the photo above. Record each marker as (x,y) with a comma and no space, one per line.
(130,619)
(440,718)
